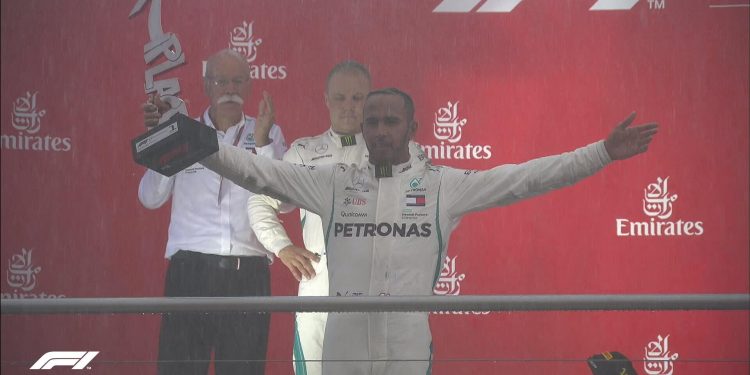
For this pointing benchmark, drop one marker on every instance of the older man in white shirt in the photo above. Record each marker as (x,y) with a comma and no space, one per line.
(211,248)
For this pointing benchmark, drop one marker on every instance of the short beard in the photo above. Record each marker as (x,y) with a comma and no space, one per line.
(390,159)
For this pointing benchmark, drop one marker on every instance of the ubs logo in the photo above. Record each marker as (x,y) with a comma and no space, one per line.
(354,201)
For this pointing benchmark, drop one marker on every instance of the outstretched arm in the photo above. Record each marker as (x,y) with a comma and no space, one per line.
(303,186)
(506,184)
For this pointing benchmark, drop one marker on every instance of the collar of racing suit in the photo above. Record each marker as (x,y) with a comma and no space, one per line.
(344,140)
(389,170)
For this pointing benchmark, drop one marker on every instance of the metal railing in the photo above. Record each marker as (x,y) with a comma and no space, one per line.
(574,302)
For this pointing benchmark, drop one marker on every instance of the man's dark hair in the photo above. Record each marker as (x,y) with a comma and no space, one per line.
(408,103)
(348,66)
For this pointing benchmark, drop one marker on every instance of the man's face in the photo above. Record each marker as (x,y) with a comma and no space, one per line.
(387,129)
(228,85)
(345,99)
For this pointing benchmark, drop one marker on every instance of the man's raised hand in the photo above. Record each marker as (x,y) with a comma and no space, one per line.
(264,121)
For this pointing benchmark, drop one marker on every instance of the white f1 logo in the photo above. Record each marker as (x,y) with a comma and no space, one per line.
(78,360)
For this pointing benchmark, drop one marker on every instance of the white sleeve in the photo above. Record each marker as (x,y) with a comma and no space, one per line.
(263,212)
(308,187)
(154,189)
(468,191)
(277,147)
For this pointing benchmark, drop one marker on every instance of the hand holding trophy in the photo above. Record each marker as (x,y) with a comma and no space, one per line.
(176,143)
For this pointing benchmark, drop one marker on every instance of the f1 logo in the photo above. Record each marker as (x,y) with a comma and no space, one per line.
(78,360)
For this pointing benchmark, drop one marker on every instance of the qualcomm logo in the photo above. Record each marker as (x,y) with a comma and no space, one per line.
(76,360)
(242,41)
(27,121)
(448,127)
(657,204)
(657,360)
(21,276)
(506,6)
(449,284)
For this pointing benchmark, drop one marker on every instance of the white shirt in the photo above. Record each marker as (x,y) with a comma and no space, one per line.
(209,213)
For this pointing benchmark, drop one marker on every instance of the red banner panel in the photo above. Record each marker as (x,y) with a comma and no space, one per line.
(494,82)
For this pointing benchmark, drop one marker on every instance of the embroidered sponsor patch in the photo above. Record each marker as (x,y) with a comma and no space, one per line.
(415,200)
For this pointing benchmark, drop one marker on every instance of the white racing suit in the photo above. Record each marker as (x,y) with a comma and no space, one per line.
(326,148)
(388,236)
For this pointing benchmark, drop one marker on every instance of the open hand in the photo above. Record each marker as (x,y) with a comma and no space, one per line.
(264,121)
(299,261)
(624,141)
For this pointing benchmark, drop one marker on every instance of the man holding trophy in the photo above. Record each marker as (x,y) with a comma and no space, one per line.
(211,248)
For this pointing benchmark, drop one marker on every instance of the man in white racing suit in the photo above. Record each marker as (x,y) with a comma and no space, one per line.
(393,241)
(347,86)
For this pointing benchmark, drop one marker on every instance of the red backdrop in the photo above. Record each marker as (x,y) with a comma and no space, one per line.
(544,78)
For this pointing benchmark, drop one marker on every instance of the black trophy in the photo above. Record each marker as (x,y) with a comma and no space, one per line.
(174,145)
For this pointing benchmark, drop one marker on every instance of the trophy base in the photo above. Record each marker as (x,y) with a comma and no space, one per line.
(174,145)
